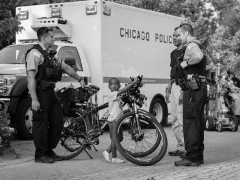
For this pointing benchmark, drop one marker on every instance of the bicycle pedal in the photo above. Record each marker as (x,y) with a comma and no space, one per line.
(97,142)
(89,147)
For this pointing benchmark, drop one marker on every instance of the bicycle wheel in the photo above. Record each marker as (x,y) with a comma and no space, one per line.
(73,135)
(144,125)
(145,146)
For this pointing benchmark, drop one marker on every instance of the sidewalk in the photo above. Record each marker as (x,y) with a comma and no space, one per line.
(222,160)
(20,152)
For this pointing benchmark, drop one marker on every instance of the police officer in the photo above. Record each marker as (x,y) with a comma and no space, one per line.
(43,71)
(194,98)
(173,92)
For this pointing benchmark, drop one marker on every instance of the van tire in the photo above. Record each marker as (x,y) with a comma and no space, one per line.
(209,123)
(23,119)
(158,110)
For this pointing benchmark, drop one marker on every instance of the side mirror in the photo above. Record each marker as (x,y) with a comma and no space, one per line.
(71,62)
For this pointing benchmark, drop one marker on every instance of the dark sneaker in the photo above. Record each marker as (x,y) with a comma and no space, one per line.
(44,159)
(56,157)
(186,162)
(176,153)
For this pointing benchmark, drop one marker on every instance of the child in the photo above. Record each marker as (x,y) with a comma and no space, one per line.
(114,112)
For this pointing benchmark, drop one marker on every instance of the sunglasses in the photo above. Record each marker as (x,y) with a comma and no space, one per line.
(46,30)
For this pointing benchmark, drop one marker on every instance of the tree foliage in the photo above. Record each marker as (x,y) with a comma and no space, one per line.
(9,24)
(225,39)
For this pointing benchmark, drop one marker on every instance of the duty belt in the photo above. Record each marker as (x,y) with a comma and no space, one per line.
(46,85)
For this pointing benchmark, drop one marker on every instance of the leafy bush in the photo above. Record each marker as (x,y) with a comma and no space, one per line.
(5,132)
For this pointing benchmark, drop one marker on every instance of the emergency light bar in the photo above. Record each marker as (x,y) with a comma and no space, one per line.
(23,15)
(106,10)
(56,12)
(59,25)
(91,10)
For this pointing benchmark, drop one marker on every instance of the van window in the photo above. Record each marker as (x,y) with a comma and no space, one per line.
(68,51)
(14,54)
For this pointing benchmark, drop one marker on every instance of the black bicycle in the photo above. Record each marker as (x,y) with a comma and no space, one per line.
(144,141)
(74,103)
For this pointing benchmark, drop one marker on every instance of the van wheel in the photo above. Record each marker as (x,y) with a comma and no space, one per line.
(209,123)
(23,119)
(158,110)
(219,127)
(234,124)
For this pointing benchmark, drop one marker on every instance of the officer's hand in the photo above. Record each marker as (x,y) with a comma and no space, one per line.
(181,98)
(82,83)
(36,105)
(184,64)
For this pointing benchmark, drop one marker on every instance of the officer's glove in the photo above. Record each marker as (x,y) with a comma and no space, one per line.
(184,64)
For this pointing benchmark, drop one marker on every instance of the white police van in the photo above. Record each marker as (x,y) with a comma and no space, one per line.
(105,38)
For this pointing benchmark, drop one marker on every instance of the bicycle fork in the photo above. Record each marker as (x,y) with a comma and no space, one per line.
(139,132)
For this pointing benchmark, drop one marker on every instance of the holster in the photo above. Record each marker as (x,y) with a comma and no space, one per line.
(194,83)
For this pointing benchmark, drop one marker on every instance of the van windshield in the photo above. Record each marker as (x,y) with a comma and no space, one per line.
(15,54)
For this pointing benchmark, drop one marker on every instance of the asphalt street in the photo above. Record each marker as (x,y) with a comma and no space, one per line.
(222,162)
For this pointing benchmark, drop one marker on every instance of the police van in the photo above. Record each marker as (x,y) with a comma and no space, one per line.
(106,39)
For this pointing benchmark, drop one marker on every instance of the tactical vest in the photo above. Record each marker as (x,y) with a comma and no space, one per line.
(49,70)
(198,68)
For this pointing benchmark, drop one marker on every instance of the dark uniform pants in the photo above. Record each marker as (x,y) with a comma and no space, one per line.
(193,122)
(48,123)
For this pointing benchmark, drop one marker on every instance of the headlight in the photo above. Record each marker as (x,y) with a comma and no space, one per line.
(6,84)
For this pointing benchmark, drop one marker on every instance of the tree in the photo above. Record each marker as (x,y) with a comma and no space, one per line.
(228,13)
(9,25)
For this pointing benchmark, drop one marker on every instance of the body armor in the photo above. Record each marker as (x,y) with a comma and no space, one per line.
(49,71)
(180,77)
(195,70)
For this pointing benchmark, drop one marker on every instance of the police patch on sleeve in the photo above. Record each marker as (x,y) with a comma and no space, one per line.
(36,54)
(191,45)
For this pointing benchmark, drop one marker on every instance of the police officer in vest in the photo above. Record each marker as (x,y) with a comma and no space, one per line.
(194,97)
(43,71)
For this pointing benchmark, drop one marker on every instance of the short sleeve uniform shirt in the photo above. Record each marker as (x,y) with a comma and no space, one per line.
(191,48)
(34,59)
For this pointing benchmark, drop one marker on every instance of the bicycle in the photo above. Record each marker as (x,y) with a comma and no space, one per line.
(75,126)
(140,120)
(145,141)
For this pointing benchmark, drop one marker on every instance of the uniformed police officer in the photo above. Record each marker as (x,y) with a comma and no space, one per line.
(43,71)
(194,98)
